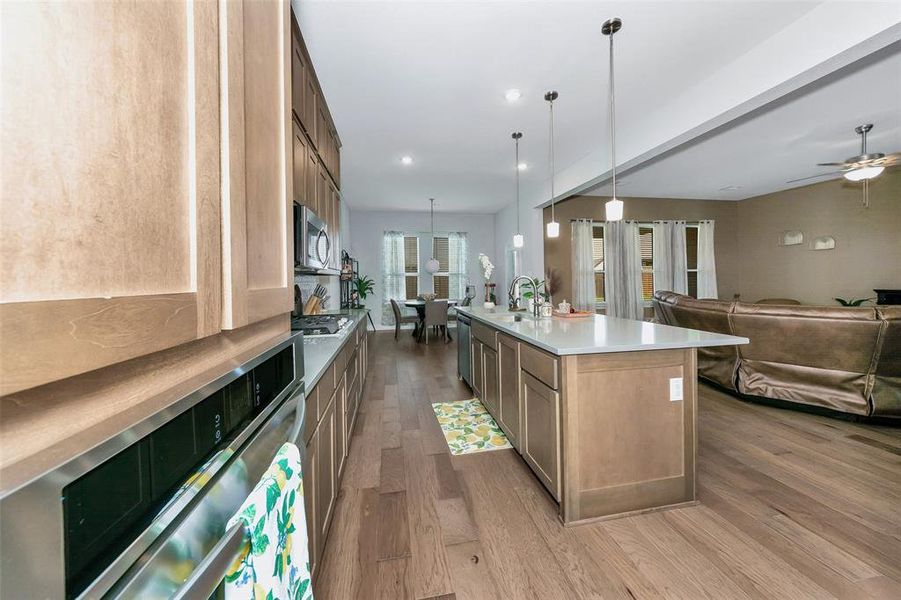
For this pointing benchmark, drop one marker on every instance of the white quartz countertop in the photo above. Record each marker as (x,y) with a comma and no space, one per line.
(597,333)
(320,351)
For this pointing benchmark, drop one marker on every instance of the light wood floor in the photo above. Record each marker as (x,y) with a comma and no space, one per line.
(791,506)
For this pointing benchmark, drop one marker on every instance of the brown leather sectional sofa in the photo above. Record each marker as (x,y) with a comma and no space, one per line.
(842,359)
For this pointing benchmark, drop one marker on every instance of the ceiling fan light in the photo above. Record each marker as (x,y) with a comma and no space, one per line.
(518,240)
(431,265)
(613,210)
(864,173)
(553,229)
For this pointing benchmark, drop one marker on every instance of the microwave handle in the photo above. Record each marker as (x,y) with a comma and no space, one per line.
(328,247)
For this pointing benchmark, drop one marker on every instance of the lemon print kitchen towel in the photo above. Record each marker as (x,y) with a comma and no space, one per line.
(274,564)
(468,427)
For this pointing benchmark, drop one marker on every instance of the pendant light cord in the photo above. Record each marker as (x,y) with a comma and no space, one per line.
(516,168)
(612,117)
(553,169)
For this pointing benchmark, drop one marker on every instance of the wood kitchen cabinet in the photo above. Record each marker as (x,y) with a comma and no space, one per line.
(490,379)
(340,427)
(301,165)
(258,265)
(509,399)
(110,228)
(310,467)
(325,474)
(476,357)
(541,431)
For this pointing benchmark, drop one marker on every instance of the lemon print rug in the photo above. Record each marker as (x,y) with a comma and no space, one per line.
(468,427)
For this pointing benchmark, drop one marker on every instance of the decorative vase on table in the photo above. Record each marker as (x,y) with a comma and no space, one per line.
(490,297)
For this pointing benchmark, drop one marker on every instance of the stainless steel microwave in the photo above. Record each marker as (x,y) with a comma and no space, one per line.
(312,242)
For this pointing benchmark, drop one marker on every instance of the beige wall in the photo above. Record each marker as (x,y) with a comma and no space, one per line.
(749,259)
(558,254)
(867,250)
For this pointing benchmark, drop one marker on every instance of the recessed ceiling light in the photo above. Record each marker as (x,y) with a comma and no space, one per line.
(406,160)
(512,95)
(522,166)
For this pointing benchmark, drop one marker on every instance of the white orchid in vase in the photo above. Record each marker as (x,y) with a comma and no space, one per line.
(487,269)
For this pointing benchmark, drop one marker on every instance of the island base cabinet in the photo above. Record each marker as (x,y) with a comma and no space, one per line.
(489,380)
(541,425)
(628,445)
(510,407)
(476,357)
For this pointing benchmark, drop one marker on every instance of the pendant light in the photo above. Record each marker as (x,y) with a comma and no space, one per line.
(614,207)
(553,227)
(432,265)
(518,239)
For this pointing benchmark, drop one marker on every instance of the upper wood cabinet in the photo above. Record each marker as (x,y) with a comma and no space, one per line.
(109,194)
(301,165)
(310,108)
(257,190)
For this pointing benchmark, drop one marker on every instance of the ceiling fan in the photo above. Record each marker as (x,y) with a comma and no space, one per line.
(862,167)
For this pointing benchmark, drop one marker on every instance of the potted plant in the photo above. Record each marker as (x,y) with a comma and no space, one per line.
(363,286)
(487,269)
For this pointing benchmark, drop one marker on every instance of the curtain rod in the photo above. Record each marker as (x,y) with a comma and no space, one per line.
(635,221)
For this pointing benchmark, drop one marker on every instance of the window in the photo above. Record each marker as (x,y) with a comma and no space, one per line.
(646,239)
(411,266)
(691,256)
(597,251)
(450,279)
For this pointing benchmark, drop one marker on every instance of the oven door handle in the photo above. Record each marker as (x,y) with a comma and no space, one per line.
(207,576)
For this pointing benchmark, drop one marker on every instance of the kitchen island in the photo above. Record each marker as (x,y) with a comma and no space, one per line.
(603,410)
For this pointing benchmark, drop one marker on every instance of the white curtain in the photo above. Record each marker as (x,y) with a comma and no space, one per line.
(584,293)
(706,261)
(393,277)
(670,260)
(456,264)
(622,254)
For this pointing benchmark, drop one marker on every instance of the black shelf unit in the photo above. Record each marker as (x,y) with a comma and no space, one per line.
(350,270)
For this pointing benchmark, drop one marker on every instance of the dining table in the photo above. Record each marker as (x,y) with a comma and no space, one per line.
(419,305)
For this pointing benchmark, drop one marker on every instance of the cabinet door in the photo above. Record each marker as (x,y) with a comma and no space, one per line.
(508,388)
(109,195)
(340,428)
(298,75)
(312,182)
(335,232)
(476,355)
(310,107)
(325,475)
(300,165)
(541,438)
(310,497)
(489,380)
(258,269)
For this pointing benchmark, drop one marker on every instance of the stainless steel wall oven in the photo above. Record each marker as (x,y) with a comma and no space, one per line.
(144,514)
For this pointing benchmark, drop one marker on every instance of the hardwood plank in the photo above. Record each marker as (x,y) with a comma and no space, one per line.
(394,580)
(448,484)
(457,525)
(393,529)
(392,470)
(472,579)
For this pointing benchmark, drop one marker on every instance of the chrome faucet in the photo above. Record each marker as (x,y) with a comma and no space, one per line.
(513,301)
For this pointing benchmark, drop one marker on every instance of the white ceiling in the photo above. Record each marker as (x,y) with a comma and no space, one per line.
(427,79)
(785,140)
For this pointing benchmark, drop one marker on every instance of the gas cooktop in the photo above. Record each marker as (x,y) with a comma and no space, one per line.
(319,324)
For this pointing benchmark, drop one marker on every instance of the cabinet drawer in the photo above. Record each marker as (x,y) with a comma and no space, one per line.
(485,334)
(543,366)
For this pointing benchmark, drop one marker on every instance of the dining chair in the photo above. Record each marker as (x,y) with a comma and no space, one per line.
(435,316)
(400,318)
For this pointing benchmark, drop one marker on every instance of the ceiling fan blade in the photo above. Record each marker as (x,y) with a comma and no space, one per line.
(886,161)
(841,164)
(814,176)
